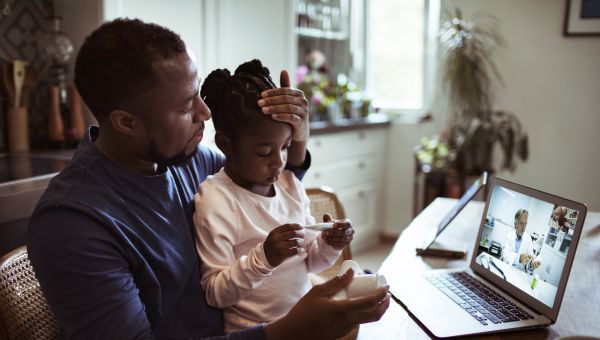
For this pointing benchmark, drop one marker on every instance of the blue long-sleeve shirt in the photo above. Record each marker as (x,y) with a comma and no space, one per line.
(114,250)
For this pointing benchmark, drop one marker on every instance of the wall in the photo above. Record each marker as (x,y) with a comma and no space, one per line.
(553,85)
(551,82)
(399,176)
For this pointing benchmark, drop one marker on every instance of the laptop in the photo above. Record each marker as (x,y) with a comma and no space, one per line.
(430,246)
(502,290)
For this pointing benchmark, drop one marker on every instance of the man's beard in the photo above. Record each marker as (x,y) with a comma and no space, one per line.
(163,161)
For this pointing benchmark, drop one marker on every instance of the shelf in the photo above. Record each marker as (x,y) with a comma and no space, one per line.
(321,34)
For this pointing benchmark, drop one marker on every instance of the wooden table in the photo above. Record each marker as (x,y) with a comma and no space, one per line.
(580,309)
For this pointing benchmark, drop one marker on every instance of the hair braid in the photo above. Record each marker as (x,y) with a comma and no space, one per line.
(213,92)
(233,99)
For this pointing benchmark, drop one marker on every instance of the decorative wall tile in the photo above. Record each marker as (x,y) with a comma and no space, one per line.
(21,37)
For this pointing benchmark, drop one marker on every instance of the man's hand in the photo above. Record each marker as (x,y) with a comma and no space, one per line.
(341,235)
(535,262)
(318,316)
(283,242)
(524,258)
(287,105)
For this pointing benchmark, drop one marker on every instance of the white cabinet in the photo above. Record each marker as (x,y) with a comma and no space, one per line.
(222,33)
(352,164)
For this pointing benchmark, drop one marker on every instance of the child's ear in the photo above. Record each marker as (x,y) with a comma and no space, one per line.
(223,143)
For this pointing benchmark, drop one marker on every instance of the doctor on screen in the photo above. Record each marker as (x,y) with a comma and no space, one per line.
(517,249)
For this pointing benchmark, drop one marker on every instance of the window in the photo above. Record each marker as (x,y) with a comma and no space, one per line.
(401,38)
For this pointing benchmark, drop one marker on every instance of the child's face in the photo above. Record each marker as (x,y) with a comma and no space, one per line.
(259,155)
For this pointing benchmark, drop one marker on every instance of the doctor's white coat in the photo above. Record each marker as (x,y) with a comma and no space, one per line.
(508,248)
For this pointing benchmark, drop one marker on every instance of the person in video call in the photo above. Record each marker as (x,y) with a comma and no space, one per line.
(255,254)
(559,219)
(112,239)
(517,249)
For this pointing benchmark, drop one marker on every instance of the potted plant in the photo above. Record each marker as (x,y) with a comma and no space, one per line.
(468,75)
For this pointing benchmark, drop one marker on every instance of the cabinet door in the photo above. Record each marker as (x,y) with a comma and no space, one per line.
(240,31)
(360,205)
(222,33)
(337,146)
(184,17)
(345,173)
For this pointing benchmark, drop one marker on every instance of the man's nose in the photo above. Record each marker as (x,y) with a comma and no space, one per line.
(201,110)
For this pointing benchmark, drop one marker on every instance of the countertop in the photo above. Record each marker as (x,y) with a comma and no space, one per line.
(21,167)
(374,120)
(23,178)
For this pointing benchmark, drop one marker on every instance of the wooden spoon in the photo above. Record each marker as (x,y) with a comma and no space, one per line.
(19,78)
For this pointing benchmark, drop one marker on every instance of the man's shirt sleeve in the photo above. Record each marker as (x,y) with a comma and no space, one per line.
(299,172)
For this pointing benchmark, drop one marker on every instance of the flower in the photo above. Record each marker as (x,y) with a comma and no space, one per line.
(327,98)
(301,72)
(433,152)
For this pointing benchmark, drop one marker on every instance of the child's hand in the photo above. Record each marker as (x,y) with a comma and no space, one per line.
(283,242)
(341,235)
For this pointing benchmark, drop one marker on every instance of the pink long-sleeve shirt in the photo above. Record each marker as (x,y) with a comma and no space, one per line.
(231,225)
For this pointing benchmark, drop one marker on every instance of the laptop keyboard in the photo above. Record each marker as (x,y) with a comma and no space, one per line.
(483,303)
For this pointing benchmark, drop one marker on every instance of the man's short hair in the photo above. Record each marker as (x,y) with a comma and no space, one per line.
(519,213)
(114,67)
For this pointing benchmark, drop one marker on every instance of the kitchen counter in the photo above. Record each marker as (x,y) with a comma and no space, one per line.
(371,121)
(23,179)
(21,167)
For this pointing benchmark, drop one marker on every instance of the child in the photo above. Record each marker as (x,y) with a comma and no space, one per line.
(253,265)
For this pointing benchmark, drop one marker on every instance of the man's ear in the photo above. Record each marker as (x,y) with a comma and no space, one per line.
(123,122)
(223,143)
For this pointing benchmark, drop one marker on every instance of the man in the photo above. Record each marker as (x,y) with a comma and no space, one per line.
(111,239)
(517,250)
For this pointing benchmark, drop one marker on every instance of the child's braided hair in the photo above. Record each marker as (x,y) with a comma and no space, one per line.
(233,99)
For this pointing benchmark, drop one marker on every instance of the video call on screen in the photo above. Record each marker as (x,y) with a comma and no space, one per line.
(525,241)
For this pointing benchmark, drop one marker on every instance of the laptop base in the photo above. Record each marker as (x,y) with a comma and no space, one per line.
(445,318)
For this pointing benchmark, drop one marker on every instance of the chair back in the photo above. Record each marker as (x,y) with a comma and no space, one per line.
(323,201)
(24,312)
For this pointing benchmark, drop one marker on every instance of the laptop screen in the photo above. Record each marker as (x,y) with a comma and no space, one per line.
(525,241)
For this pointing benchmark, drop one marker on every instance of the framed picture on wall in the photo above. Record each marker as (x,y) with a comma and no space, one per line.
(582,18)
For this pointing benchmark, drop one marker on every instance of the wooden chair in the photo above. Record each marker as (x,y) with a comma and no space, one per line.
(324,201)
(24,312)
